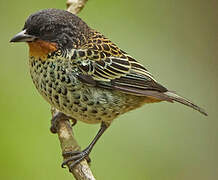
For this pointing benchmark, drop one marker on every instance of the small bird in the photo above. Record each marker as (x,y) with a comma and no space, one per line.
(84,75)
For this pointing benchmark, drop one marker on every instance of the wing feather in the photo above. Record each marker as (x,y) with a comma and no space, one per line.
(113,68)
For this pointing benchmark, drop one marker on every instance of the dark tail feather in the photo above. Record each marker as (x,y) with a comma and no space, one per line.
(184,101)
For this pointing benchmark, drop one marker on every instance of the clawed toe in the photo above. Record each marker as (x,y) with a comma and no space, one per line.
(54,126)
(76,157)
(56,118)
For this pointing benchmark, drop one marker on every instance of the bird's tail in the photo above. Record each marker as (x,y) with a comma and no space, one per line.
(175,97)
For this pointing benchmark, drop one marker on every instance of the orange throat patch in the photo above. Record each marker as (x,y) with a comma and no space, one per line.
(40,49)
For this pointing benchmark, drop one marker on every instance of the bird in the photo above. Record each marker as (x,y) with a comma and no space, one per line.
(84,75)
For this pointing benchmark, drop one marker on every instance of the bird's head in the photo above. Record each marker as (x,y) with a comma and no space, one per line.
(49,30)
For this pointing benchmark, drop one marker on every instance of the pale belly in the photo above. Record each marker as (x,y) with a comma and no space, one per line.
(66,93)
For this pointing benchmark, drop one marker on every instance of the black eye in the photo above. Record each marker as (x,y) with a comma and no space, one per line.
(33,31)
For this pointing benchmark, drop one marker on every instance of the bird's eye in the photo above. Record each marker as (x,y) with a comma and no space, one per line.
(33,31)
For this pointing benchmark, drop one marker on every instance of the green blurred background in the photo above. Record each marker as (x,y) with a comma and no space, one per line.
(176,40)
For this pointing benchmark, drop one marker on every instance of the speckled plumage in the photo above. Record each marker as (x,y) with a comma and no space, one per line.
(63,78)
(57,82)
(84,75)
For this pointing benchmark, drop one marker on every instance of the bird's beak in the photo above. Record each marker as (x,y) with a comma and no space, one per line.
(23,37)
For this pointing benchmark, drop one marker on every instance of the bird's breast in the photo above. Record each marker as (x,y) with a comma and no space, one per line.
(60,87)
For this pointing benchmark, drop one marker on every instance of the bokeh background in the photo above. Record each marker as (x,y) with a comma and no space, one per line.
(176,40)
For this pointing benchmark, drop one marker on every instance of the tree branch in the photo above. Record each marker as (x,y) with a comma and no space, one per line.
(75,6)
(81,171)
(68,143)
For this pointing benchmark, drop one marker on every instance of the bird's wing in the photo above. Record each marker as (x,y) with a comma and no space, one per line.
(104,65)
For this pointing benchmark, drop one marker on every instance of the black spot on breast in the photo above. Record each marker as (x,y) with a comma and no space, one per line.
(52,66)
(90,103)
(64,92)
(76,102)
(85,98)
(50,85)
(63,79)
(75,109)
(33,63)
(49,91)
(63,71)
(65,105)
(98,118)
(84,109)
(59,90)
(58,68)
(68,80)
(56,97)
(94,111)
(77,96)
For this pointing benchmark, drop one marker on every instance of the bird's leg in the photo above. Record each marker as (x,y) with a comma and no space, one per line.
(56,118)
(77,156)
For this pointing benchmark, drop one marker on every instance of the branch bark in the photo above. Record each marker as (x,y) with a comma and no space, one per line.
(67,140)
(68,143)
(75,6)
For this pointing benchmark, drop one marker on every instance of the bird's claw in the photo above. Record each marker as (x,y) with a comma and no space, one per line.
(54,126)
(56,118)
(76,157)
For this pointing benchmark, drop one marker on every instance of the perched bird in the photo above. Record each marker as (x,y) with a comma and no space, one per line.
(84,75)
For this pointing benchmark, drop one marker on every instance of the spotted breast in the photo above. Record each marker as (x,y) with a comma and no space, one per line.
(57,82)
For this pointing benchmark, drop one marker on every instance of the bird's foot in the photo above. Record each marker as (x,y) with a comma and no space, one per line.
(76,157)
(56,118)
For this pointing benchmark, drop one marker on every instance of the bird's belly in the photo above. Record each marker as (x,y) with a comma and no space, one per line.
(82,102)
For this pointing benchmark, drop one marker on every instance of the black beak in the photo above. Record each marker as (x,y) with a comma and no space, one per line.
(23,37)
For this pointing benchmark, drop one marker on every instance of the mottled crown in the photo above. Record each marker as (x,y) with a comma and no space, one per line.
(58,26)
